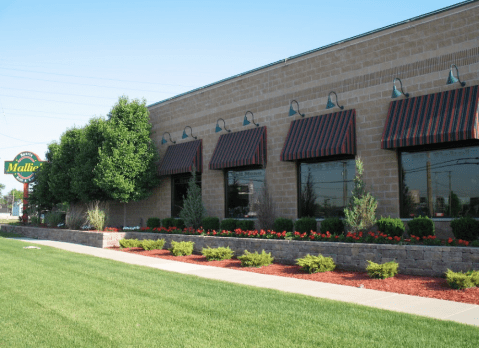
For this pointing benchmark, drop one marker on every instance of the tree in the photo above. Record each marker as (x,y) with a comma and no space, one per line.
(360,214)
(193,210)
(308,197)
(455,205)
(2,187)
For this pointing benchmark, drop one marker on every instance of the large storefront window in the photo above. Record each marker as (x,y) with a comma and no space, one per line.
(440,183)
(242,192)
(325,188)
(179,191)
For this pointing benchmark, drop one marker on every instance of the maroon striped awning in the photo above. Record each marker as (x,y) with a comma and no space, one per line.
(325,135)
(180,158)
(243,148)
(432,119)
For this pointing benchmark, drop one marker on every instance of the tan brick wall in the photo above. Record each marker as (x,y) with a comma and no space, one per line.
(360,71)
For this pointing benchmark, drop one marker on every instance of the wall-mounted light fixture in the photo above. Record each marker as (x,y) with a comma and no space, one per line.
(330,104)
(219,129)
(396,93)
(164,141)
(292,111)
(184,136)
(451,79)
(246,122)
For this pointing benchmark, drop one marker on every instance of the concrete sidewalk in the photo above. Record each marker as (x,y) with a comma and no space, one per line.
(429,307)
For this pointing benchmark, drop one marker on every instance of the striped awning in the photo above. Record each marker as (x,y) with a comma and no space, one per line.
(325,135)
(432,119)
(243,148)
(180,158)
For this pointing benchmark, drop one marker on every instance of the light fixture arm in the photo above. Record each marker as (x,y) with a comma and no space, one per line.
(169,136)
(224,124)
(191,132)
(400,82)
(291,106)
(252,118)
(337,103)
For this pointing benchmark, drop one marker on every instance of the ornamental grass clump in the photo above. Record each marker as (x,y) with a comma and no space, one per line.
(461,281)
(255,260)
(97,215)
(314,264)
(382,271)
(181,248)
(149,244)
(130,243)
(217,254)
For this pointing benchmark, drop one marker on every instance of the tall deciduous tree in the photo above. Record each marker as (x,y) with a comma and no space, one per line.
(127,161)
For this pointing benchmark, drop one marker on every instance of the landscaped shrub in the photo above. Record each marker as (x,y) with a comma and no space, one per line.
(459,280)
(333,225)
(181,248)
(75,217)
(172,222)
(149,244)
(35,220)
(210,223)
(421,226)
(228,224)
(390,226)
(382,271)
(130,243)
(97,215)
(283,224)
(245,225)
(465,228)
(313,264)
(153,222)
(305,224)
(217,254)
(255,260)
(53,218)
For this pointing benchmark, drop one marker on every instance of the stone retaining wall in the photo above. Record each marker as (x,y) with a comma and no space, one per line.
(412,259)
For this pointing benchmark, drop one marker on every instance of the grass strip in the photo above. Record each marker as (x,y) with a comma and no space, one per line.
(54,298)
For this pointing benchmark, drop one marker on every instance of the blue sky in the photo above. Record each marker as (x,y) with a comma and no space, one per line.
(63,62)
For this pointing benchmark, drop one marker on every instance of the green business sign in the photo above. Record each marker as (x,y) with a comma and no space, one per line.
(23,167)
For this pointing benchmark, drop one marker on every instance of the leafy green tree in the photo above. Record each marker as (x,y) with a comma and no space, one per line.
(360,214)
(127,159)
(2,187)
(193,210)
(455,204)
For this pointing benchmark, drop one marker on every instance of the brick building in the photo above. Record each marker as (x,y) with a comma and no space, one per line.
(420,153)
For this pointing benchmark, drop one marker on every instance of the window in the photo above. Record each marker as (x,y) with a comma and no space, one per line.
(325,188)
(179,191)
(440,183)
(242,192)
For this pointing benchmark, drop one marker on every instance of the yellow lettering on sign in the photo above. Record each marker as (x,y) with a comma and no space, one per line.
(11,167)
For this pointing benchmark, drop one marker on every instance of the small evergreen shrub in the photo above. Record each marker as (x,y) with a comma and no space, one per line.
(459,280)
(465,228)
(314,264)
(255,260)
(210,223)
(172,222)
(193,210)
(390,226)
(149,244)
(283,224)
(245,225)
(217,254)
(53,218)
(333,224)
(382,271)
(130,243)
(153,222)
(181,248)
(421,226)
(228,224)
(305,224)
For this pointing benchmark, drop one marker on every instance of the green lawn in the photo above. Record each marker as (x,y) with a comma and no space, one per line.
(53,298)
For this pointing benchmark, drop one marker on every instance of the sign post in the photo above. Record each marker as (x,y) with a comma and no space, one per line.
(23,169)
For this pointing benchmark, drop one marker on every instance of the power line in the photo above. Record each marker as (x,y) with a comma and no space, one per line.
(75,95)
(49,100)
(52,117)
(86,84)
(49,112)
(98,78)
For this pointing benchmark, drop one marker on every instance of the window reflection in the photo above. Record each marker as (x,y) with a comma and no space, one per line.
(441,183)
(325,188)
(243,192)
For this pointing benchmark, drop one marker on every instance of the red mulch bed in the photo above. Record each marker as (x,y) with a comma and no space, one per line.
(401,283)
